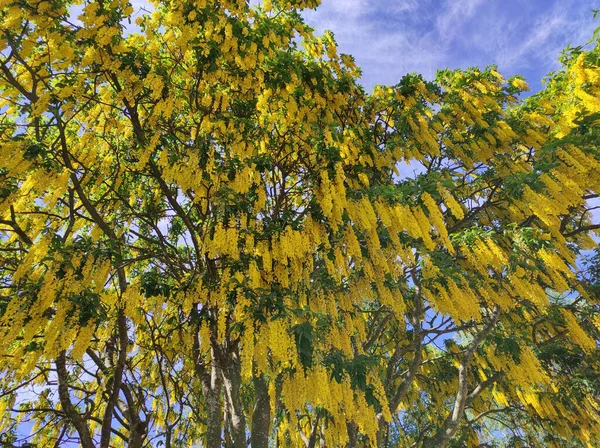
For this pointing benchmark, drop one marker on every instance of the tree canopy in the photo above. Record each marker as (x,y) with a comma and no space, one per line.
(211,235)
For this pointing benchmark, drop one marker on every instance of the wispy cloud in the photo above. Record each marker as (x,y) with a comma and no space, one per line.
(383,41)
(538,36)
(392,38)
(455,13)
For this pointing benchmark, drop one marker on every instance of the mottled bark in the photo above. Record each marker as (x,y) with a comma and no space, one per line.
(232,382)
(311,440)
(211,380)
(137,434)
(261,415)
(211,390)
(352,429)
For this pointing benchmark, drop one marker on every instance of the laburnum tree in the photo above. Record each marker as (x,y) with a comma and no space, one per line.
(211,235)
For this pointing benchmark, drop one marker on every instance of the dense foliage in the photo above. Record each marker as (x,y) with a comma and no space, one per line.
(211,235)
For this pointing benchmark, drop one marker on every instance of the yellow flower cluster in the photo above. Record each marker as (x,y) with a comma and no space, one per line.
(437,219)
(528,373)
(576,333)
(332,196)
(542,206)
(223,243)
(82,341)
(425,136)
(452,204)
(281,343)
(340,400)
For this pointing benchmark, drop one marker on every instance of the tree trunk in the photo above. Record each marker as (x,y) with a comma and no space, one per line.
(382,429)
(211,379)
(261,416)
(211,389)
(232,382)
(352,429)
(137,435)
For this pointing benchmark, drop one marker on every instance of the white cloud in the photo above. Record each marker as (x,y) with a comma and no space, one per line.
(392,38)
(384,52)
(349,7)
(404,6)
(521,42)
(453,14)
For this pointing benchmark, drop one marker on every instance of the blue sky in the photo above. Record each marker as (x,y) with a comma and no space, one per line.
(394,37)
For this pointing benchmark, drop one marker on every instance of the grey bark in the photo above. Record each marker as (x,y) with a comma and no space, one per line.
(261,415)
(352,429)
(211,381)
(232,382)
(211,390)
